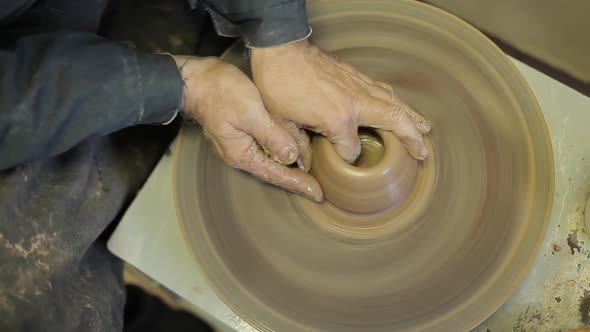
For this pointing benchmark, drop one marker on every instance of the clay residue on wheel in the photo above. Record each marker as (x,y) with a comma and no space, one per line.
(585,308)
(572,242)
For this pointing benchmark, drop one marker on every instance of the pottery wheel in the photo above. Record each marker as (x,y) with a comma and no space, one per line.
(446,256)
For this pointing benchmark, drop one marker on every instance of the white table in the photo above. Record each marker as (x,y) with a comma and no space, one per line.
(553,295)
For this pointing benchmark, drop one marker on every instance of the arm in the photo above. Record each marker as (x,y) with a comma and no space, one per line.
(303,87)
(57,89)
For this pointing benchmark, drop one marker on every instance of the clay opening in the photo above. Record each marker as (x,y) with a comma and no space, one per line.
(372,148)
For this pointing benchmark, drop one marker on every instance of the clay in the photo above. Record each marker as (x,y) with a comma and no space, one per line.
(445,256)
(382,177)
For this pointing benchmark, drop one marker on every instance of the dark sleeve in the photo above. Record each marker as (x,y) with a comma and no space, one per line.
(57,89)
(261,23)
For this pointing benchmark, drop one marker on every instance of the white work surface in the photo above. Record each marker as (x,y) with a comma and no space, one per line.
(554,296)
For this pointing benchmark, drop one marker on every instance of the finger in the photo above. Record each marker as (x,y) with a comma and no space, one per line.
(272,137)
(420,122)
(354,73)
(292,179)
(344,135)
(376,113)
(305,155)
(303,144)
(273,156)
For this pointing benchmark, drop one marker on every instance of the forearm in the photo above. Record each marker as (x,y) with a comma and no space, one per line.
(57,89)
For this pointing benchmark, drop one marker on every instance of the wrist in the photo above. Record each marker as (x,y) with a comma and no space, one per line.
(290,49)
(192,69)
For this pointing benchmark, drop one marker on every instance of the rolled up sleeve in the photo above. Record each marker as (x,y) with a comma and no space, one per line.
(262,23)
(59,88)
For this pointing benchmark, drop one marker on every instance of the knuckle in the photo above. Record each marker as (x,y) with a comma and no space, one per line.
(397,114)
(381,93)
(386,89)
(355,97)
(265,140)
(386,86)
(415,140)
(411,113)
(348,67)
(407,135)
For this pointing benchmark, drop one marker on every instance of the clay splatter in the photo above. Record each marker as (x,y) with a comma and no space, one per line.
(558,299)
(572,241)
(585,308)
(531,318)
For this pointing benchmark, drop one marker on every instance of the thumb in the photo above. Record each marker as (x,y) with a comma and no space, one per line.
(289,178)
(379,114)
(303,144)
(273,137)
(344,136)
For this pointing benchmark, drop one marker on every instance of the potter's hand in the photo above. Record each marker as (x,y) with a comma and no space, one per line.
(304,87)
(229,108)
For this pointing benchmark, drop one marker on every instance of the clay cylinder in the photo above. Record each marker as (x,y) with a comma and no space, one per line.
(381,178)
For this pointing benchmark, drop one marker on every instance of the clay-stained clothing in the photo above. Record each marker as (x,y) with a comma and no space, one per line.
(63,177)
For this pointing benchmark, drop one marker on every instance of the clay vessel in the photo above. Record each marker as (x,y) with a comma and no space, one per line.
(381,178)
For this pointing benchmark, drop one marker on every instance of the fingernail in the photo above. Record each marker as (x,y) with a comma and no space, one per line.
(316,197)
(424,126)
(292,155)
(301,166)
(314,193)
(289,155)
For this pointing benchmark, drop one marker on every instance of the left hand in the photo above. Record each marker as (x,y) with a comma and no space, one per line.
(229,108)
(303,87)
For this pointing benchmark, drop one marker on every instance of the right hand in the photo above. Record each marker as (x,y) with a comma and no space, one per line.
(303,87)
(230,109)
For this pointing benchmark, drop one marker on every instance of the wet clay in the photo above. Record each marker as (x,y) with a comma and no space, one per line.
(445,252)
(382,176)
